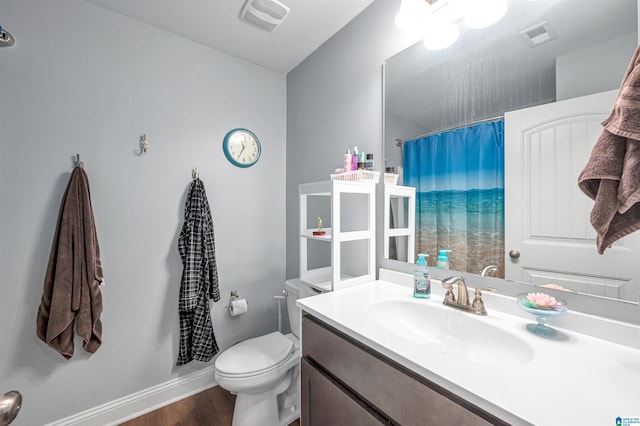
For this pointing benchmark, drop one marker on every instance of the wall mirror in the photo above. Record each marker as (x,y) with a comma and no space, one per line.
(541,53)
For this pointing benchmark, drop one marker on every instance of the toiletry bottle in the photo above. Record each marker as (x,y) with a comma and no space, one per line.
(355,159)
(443,260)
(361,158)
(421,281)
(368,164)
(348,159)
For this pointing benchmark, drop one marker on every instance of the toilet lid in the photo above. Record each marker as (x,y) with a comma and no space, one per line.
(257,354)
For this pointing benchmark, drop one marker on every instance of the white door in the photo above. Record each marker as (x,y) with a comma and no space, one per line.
(548,236)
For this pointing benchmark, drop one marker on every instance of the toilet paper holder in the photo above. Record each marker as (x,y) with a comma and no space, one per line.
(235,297)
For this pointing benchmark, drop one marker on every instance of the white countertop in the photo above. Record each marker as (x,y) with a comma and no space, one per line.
(576,379)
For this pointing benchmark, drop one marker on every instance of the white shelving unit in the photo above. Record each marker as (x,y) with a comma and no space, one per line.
(408,230)
(335,276)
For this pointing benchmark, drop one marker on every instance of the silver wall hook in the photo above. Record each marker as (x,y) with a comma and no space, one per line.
(144,144)
(195,174)
(6,39)
(77,162)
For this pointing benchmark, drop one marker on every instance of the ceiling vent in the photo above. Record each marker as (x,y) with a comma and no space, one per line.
(538,34)
(264,14)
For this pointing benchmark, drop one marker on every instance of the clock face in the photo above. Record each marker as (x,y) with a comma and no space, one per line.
(241,147)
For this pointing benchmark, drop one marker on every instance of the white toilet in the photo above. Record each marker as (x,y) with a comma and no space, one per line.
(264,373)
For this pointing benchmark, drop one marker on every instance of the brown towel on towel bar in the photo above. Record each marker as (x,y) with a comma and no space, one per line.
(71,294)
(612,174)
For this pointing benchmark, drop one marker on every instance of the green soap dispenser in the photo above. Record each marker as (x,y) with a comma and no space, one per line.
(443,260)
(421,281)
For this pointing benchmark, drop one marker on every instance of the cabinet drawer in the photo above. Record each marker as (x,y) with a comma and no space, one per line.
(326,403)
(399,394)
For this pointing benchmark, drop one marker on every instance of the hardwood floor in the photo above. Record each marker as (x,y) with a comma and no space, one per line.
(211,407)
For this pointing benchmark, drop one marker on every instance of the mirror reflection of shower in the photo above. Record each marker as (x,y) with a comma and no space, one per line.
(6,39)
(540,53)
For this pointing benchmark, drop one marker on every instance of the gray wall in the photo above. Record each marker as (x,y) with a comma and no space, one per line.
(594,70)
(397,127)
(84,80)
(334,101)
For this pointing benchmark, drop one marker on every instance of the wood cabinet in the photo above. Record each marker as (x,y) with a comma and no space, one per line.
(342,373)
(329,403)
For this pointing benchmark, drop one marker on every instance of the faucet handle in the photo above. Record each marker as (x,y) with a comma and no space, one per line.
(477,306)
(447,283)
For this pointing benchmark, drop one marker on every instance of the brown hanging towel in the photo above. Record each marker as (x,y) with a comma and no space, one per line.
(71,296)
(612,175)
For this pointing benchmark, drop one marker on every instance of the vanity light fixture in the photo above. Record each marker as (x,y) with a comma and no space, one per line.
(440,35)
(436,20)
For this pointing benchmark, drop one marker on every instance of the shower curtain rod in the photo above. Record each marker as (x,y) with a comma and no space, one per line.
(400,142)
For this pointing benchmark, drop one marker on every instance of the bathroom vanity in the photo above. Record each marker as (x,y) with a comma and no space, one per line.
(374,354)
(344,382)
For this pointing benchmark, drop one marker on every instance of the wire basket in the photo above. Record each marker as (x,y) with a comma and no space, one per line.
(391,178)
(357,176)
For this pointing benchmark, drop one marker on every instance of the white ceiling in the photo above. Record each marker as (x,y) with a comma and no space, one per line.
(216,23)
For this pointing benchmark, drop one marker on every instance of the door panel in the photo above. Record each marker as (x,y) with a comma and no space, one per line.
(546,214)
(325,403)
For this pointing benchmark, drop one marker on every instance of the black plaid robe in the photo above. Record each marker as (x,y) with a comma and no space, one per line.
(199,279)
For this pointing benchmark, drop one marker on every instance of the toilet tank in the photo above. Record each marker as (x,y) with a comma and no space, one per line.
(292,288)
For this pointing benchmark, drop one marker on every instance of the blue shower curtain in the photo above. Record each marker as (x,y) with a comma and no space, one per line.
(459,180)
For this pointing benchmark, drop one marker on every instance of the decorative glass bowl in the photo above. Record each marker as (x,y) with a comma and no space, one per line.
(549,308)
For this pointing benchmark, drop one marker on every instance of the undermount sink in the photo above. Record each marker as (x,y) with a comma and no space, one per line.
(450,332)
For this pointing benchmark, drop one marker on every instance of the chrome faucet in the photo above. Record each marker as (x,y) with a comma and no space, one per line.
(488,270)
(463,293)
(476,307)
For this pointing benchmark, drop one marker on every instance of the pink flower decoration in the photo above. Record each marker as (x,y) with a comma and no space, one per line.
(542,299)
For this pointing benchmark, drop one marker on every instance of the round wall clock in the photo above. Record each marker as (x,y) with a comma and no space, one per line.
(241,147)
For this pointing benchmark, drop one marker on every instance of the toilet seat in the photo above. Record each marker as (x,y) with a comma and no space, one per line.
(264,372)
(255,356)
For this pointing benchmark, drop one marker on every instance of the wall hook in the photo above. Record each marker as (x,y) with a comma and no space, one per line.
(6,39)
(195,174)
(144,144)
(77,162)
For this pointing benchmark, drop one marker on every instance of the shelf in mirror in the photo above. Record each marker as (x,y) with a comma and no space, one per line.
(491,73)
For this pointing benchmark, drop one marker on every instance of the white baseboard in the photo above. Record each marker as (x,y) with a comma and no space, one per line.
(145,401)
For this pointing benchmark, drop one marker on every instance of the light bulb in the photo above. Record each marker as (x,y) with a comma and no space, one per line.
(412,15)
(440,36)
(483,13)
